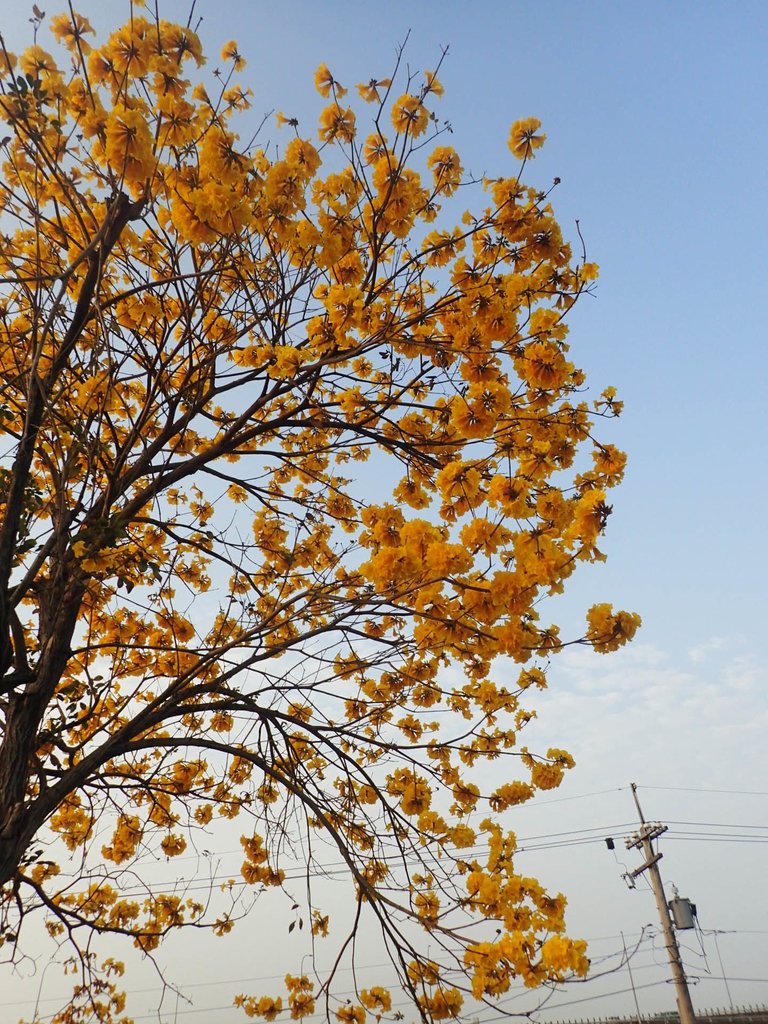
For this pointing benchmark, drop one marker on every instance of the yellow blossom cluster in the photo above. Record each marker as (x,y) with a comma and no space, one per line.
(296,460)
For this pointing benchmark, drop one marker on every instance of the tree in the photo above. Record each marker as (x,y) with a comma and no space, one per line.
(287,468)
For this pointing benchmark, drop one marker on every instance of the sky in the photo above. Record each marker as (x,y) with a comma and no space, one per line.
(655,122)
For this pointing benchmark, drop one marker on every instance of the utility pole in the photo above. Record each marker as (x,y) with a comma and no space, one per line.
(642,840)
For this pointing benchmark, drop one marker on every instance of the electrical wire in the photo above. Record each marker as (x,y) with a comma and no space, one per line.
(543,1007)
(712,839)
(535,844)
(696,789)
(573,1002)
(640,937)
(714,824)
(544,841)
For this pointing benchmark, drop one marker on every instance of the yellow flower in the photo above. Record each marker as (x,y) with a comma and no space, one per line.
(173,845)
(72,822)
(427,907)
(302,154)
(337,123)
(446,168)
(543,365)
(179,121)
(350,1014)
(546,776)
(376,999)
(230,52)
(410,115)
(609,630)
(561,954)
(444,1003)
(523,139)
(416,797)
(302,1005)
(509,795)
(562,757)
(370,92)
(589,272)
(269,1008)
(375,149)
(287,363)
(70,31)
(222,721)
(129,145)
(126,838)
(432,84)
(180,42)
(204,814)
(130,47)
(466,795)
(237,493)
(325,82)
(36,61)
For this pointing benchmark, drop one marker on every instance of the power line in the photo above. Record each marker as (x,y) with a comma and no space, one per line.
(572,1002)
(716,977)
(638,937)
(240,981)
(747,841)
(713,824)
(568,838)
(532,845)
(580,796)
(697,789)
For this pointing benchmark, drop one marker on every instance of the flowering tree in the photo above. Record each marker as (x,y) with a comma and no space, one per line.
(287,467)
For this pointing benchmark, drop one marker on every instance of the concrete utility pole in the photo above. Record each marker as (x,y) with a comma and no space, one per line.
(642,840)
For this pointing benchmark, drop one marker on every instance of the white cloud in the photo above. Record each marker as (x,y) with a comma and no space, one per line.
(643,709)
(702,652)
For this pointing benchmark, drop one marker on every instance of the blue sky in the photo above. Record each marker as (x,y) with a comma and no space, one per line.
(655,117)
(655,122)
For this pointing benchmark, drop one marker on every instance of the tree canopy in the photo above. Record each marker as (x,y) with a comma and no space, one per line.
(293,452)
